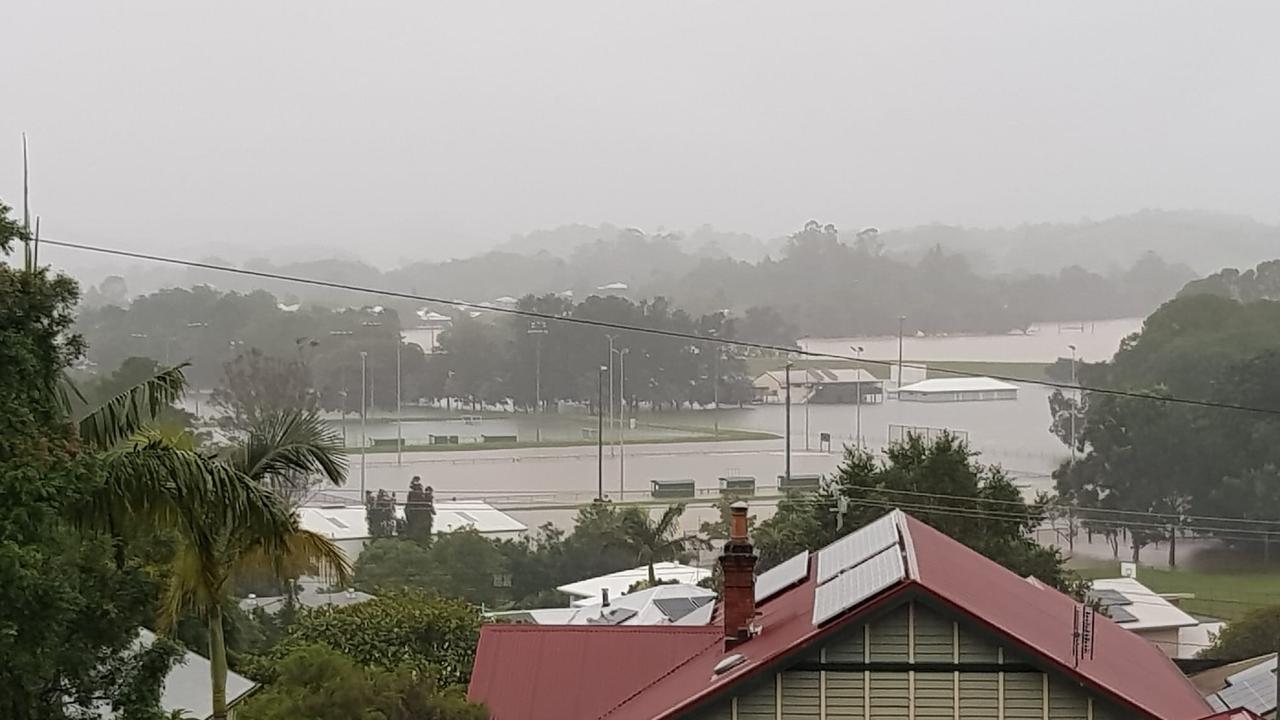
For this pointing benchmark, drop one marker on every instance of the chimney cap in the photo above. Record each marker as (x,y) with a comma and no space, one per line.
(739,505)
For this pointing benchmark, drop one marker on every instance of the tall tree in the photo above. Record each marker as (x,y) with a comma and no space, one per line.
(257,386)
(68,615)
(215,548)
(656,540)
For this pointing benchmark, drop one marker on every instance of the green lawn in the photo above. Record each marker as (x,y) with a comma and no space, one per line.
(1225,595)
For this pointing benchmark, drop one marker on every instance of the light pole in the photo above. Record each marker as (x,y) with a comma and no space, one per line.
(787,380)
(808,399)
(364,442)
(902,319)
(857,399)
(611,339)
(399,414)
(600,434)
(537,329)
(1075,406)
(622,422)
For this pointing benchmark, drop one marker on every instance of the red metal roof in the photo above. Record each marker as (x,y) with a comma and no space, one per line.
(641,673)
(575,671)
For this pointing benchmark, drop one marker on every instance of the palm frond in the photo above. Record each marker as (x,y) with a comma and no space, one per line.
(292,445)
(196,581)
(125,415)
(150,480)
(302,552)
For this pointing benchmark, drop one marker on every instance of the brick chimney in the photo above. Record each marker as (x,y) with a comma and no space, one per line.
(738,566)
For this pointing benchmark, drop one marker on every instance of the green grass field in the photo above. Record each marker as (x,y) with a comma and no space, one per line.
(1225,595)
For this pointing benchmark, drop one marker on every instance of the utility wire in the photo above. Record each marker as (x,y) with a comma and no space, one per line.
(633,328)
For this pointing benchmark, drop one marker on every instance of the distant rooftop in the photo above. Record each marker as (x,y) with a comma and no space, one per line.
(348,522)
(953,385)
(677,604)
(619,582)
(1134,606)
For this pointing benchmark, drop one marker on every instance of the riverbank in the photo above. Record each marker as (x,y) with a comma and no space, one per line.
(699,436)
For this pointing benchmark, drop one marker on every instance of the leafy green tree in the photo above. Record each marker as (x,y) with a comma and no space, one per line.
(414,629)
(69,615)
(802,522)
(257,386)
(462,564)
(1252,635)
(380,514)
(941,484)
(318,683)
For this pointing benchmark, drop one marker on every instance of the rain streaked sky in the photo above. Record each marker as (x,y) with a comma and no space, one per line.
(396,129)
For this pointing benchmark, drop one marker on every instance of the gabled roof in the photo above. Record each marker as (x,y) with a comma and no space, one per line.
(1252,688)
(1137,606)
(618,583)
(1033,619)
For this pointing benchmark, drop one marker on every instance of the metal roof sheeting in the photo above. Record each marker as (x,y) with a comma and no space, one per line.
(348,522)
(952,385)
(535,672)
(589,591)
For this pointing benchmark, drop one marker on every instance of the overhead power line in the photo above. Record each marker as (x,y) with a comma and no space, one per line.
(606,325)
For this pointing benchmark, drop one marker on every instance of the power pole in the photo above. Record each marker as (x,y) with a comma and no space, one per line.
(364,442)
(399,413)
(537,329)
(902,319)
(611,338)
(622,422)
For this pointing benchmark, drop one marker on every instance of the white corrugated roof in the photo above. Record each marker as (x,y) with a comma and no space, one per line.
(187,686)
(348,522)
(943,385)
(1152,611)
(618,583)
(651,606)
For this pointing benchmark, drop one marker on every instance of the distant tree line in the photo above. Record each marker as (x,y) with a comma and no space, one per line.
(261,359)
(818,281)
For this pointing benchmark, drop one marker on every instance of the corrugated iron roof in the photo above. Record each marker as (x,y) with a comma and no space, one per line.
(1031,617)
(567,671)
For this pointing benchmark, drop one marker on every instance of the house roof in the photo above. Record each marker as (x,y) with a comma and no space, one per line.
(1252,688)
(1214,679)
(837,376)
(677,604)
(620,582)
(348,522)
(310,594)
(958,384)
(1233,715)
(1032,618)
(187,686)
(1136,607)
(619,661)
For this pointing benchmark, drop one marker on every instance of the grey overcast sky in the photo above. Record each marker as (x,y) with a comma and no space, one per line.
(405,128)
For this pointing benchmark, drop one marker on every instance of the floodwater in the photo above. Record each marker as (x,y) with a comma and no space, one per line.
(1011,433)
(536,484)
(1044,343)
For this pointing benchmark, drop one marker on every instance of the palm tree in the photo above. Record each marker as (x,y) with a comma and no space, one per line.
(278,452)
(655,541)
(149,476)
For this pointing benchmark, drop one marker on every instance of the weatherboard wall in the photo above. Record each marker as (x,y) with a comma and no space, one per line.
(865,673)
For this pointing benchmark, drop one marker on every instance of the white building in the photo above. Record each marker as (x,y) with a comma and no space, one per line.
(1141,610)
(591,590)
(348,525)
(677,604)
(958,390)
(829,385)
